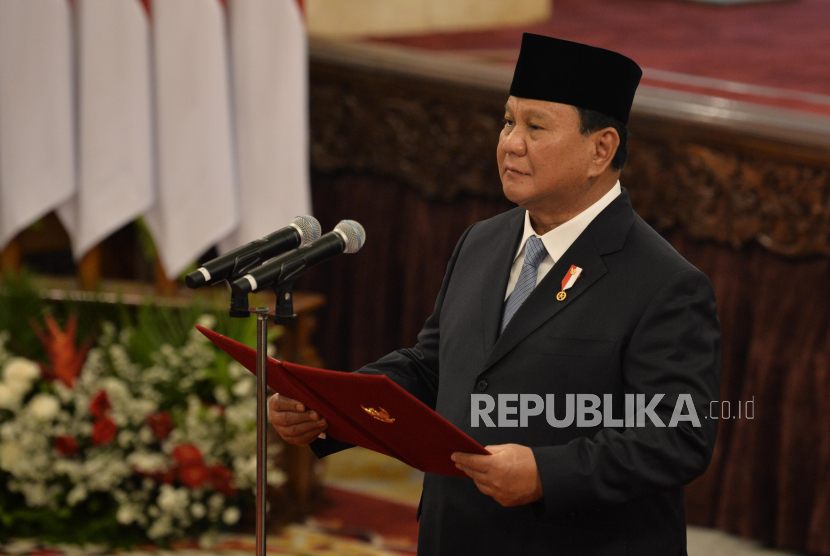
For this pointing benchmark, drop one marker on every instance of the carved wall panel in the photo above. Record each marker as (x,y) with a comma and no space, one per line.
(731,197)
(440,139)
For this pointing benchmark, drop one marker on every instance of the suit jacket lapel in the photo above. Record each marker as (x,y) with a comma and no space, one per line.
(606,234)
(495,274)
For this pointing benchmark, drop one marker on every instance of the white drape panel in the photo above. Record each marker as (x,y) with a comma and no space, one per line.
(114,121)
(269,61)
(37,170)
(196,204)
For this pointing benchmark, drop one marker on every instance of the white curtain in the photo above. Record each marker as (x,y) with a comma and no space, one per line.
(114,121)
(269,60)
(196,203)
(37,168)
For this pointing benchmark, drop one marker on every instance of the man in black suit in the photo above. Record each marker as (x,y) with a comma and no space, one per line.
(568,338)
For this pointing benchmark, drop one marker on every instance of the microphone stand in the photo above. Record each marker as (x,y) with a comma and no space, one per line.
(284,314)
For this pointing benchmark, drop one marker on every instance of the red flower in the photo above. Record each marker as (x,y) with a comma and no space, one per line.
(100,404)
(194,476)
(161,424)
(221,479)
(187,454)
(66,445)
(103,431)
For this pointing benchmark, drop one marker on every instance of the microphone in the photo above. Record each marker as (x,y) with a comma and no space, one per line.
(348,236)
(302,231)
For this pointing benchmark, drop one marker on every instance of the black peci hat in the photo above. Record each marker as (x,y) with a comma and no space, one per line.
(568,72)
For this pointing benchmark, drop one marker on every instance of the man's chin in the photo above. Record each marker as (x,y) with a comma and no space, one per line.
(515,193)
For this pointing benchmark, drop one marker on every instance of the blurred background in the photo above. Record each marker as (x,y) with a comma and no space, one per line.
(140,138)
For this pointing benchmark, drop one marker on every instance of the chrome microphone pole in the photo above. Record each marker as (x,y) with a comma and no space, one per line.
(261,427)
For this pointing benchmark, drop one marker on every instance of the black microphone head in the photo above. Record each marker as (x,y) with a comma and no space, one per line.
(197,278)
(308,227)
(352,233)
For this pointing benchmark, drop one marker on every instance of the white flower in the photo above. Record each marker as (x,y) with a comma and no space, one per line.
(221,395)
(206,321)
(208,540)
(146,435)
(9,397)
(145,462)
(36,494)
(276,477)
(10,454)
(125,438)
(125,514)
(162,527)
(244,387)
(236,371)
(216,501)
(20,373)
(44,407)
(172,500)
(230,515)
(198,510)
(77,494)
(65,394)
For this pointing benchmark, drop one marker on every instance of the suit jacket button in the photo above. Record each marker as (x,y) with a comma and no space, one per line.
(481,385)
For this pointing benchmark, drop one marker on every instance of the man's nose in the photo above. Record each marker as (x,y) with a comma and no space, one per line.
(514,143)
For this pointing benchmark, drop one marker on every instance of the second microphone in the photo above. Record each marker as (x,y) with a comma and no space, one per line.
(347,237)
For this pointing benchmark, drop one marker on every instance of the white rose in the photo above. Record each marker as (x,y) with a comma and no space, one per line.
(44,407)
(20,373)
(230,515)
(9,397)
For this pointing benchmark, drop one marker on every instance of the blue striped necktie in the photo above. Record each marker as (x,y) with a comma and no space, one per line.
(534,253)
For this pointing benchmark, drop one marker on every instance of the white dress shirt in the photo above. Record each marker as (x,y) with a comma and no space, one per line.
(558,240)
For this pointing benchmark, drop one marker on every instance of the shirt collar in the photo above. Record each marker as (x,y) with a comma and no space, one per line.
(559,239)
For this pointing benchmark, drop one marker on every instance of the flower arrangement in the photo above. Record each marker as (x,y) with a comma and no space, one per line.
(126,439)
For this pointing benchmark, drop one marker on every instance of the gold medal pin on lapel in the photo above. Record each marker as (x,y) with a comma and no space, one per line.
(568,281)
(379,414)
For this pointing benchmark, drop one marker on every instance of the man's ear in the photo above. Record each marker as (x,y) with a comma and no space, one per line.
(606,142)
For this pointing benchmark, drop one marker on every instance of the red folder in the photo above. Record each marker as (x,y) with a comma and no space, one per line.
(365,410)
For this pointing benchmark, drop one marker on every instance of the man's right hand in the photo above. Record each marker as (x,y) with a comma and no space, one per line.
(295,423)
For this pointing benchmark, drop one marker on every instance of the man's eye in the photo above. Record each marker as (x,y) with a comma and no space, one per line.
(508,122)
(534,127)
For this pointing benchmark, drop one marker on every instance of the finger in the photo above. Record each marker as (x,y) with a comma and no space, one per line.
(288,418)
(477,476)
(474,461)
(307,438)
(302,429)
(279,402)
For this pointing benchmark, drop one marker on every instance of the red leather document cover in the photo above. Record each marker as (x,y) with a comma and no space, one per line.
(365,410)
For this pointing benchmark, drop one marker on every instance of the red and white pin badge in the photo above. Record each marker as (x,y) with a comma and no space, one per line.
(568,281)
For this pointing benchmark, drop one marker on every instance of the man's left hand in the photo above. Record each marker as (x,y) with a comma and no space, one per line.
(509,474)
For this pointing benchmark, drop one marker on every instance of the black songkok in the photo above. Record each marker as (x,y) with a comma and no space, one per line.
(568,72)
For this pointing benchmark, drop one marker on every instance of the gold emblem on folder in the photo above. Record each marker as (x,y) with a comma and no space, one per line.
(379,414)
